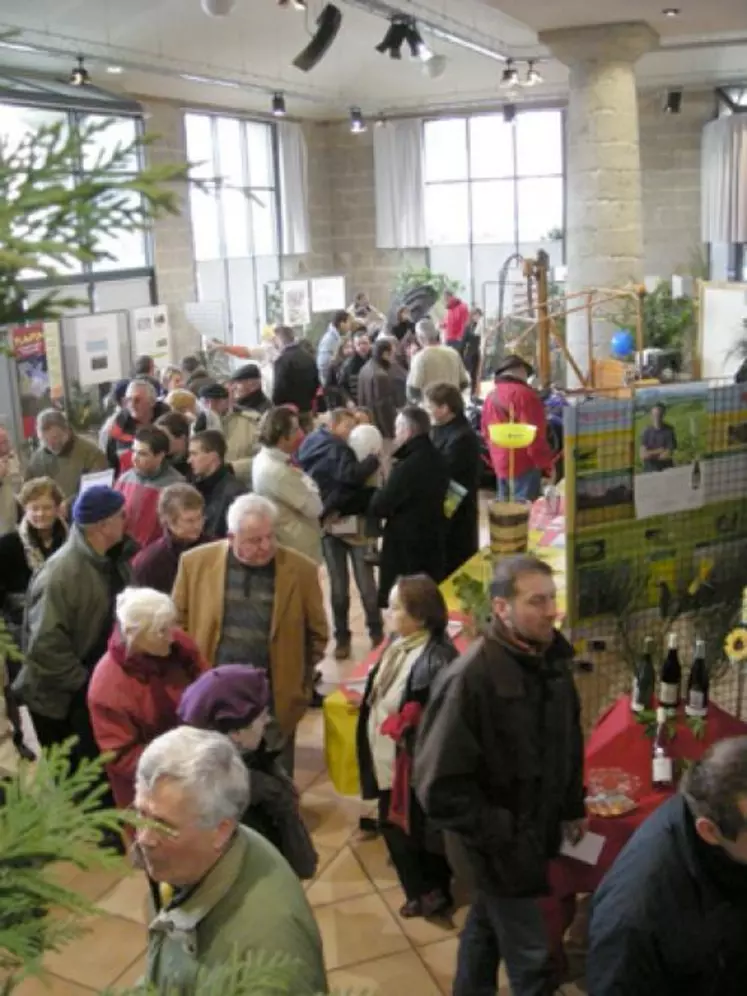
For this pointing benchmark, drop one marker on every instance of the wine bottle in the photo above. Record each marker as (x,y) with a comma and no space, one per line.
(645,679)
(670,680)
(662,769)
(696,703)
(697,475)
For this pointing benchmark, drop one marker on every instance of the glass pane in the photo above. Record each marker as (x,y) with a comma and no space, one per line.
(447,213)
(491,147)
(264,226)
(259,153)
(235,222)
(539,143)
(199,131)
(126,248)
(454,261)
(205,231)
(446,149)
(493,203)
(16,122)
(230,162)
(118,132)
(540,208)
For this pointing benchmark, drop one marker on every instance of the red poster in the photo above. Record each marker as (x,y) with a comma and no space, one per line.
(30,354)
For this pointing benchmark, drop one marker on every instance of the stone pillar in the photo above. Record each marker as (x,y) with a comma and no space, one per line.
(604,236)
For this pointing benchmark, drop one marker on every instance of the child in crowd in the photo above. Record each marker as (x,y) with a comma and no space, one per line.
(234,699)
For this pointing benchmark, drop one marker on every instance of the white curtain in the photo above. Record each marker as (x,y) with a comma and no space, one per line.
(294,189)
(400,190)
(724,180)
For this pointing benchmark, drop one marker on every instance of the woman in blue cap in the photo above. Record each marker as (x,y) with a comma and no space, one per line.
(234,699)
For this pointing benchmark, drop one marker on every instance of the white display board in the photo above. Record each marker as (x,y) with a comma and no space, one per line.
(151,332)
(208,318)
(296,302)
(723,311)
(98,348)
(328,294)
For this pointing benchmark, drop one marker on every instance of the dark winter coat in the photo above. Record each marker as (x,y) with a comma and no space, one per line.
(671,915)
(156,565)
(257,402)
(499,759)
(381,388)
(16,572)
(412,502)
(459,445)
(296,378)
(437,653)
(349,374)
(219,491)
(337,472)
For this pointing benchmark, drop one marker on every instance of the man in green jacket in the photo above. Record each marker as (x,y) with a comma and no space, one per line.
(221,893)
(63,455)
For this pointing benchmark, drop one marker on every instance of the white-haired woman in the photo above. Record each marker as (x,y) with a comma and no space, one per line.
(138,683)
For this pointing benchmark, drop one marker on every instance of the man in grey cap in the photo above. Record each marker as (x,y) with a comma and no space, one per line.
(69,617)
(240,427)
(247,390)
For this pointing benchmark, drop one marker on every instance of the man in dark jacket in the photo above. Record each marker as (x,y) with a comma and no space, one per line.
(352,367)
(412,503)
(457,442)
(295,376)
(247,390)
(141,409)
(499,760)
(341,478)
(214,479)
(671,916)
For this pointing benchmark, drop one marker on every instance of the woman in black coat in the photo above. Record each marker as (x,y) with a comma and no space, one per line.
(459,445)
(41,532)
(412,504)
(396,693)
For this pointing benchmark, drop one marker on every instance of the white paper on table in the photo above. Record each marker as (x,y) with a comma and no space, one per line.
(105,477)
(587,850)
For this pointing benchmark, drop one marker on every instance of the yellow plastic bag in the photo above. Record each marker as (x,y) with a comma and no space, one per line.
(340,723)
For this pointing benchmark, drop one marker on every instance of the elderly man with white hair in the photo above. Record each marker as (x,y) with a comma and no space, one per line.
(221,893)
(141,409)
(136,687)
(248,600)
(434,364)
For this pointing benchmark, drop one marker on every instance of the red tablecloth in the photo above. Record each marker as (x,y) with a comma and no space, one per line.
(618,741)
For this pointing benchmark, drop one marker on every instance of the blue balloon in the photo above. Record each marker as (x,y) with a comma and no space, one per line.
(623,344)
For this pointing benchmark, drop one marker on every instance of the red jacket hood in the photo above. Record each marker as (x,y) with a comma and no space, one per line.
(183,653)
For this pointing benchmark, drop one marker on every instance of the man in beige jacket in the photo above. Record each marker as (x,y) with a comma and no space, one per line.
(246,600)
(434,364)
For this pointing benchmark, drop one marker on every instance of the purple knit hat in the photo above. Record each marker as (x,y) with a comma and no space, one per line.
(225,698)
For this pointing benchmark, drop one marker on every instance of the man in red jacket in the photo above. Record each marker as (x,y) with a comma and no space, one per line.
(456,320)
(513,400)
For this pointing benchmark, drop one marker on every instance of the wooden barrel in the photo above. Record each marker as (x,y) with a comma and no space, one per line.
(509,527)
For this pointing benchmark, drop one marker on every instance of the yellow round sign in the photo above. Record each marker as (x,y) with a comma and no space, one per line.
(513,435)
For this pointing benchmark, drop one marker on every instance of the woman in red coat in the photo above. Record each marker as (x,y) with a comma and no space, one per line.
(136,686)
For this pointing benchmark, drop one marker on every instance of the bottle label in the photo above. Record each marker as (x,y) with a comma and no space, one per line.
(696,705)
(635,702)
(668,694)
(663,771)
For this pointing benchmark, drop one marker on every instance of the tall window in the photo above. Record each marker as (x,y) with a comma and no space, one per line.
(234,217)
(493,189)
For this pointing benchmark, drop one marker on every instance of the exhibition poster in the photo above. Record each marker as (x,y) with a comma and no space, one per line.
(296,303)
(97,342)
(151,332)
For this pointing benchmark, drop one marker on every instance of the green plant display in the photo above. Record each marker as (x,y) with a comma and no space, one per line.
(668,323)
(411,277)
(474,597)
(48,225)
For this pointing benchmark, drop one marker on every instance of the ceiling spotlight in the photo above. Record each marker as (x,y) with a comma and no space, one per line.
(509,113)
(79,76)
(534,76)
(435,67)
(418,48)
(278,105)
(218,8)
(673,102)
(114,70)
(394,39)
(357,123)
(509,76)
(299,4)
(671,12)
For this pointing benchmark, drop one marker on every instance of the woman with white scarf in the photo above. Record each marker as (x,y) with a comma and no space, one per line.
(40,533)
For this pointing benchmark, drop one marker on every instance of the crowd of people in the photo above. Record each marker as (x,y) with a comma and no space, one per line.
(176,620)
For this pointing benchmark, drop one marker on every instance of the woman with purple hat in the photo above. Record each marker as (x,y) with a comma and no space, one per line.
(234,699)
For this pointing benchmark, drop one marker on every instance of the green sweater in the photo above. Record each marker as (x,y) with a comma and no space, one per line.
(250,904)
(79,457)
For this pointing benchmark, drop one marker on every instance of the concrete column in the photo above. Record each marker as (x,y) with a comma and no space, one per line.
(604,212)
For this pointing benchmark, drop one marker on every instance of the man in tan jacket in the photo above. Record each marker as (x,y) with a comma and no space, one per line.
(246,600)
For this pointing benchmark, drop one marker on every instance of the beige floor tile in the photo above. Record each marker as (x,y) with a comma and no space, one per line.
(132,975)
(419,930)
(373,855)
(101,955)
(310,731)
(91,884)
(128,899)
(51,985)
(331,820)
(396,975)
(440,960)
(343,878)
(357,930)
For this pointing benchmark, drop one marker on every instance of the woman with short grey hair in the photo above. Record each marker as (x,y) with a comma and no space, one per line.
(221,891)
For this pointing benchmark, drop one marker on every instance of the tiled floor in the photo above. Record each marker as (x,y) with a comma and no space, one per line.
(368,947)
